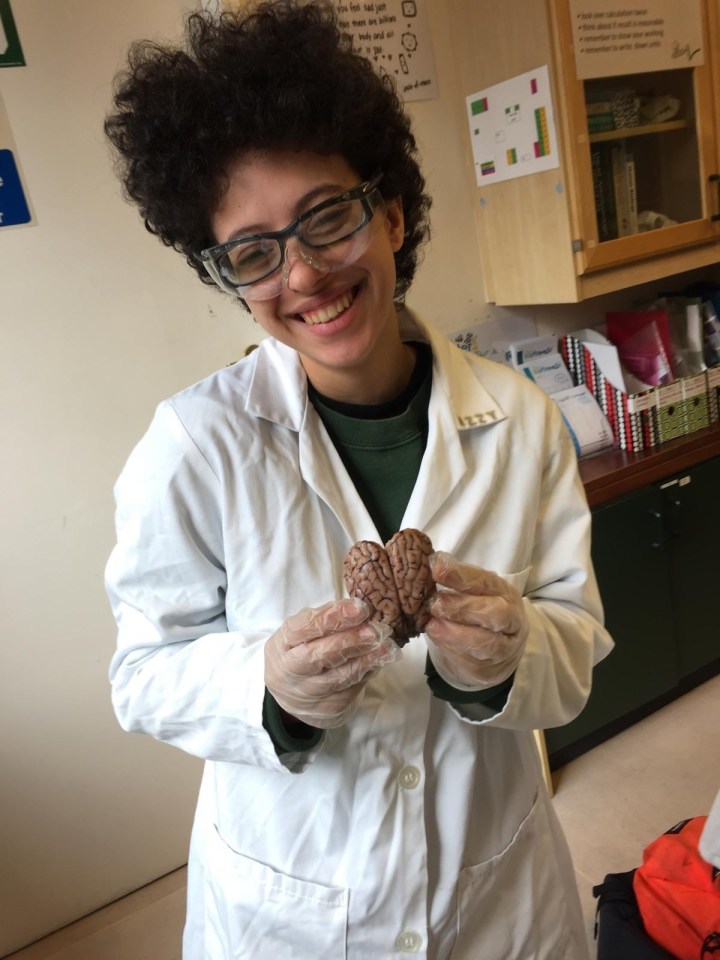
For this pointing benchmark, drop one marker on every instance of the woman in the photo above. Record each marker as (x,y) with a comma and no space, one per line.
(358,801)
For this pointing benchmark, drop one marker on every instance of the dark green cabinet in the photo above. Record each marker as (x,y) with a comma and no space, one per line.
(692,509)
(654,553)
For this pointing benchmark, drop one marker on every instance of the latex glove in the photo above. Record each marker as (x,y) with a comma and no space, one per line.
(478,628)
(318,662)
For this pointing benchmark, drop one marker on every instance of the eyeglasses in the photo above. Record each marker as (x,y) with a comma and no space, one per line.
(333,229)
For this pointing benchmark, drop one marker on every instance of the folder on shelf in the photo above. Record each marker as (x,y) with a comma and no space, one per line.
(589,428)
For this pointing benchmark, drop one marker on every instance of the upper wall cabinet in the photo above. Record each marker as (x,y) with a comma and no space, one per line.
(636,195)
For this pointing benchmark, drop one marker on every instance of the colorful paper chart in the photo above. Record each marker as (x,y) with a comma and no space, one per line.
(512,129)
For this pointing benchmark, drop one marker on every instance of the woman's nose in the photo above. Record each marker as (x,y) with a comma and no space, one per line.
(303,265)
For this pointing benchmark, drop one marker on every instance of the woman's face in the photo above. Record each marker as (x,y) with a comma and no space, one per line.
(342,323)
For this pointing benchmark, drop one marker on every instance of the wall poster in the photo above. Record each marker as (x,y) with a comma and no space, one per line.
(512,128)
(395,36)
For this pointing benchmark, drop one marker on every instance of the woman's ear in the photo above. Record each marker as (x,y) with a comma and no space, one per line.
(396,222)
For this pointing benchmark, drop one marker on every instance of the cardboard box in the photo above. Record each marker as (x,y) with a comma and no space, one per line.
(670,411)
(712,377)
(696,402)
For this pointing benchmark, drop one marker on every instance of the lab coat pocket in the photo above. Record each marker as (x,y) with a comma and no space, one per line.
(253,911)
(513,905)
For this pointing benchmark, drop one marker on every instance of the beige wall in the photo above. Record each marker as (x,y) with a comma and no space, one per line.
(99,323)
(448,289)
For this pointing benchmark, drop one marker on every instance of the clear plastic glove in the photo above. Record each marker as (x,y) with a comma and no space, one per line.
(319,660)
(477,628)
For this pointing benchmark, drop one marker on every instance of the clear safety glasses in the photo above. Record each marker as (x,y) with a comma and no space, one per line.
(330,235)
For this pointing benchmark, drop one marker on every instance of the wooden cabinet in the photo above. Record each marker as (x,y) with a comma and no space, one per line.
(655,555)
(541,238)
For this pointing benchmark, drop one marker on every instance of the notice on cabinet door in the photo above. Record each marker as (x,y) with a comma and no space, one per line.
(611,41)
(512,128)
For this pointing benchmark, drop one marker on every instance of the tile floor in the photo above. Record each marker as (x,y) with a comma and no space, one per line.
(615,799)
(612,801)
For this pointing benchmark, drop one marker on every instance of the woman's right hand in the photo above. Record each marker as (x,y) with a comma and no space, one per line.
(318,662)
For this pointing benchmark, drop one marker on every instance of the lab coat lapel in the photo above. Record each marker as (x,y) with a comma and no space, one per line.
(459,402)
(278,392)
(443,464)
(324,472)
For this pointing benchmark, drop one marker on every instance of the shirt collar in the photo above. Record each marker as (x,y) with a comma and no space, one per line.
(278,388)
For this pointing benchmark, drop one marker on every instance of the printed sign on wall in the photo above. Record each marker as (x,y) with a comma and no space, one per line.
(11,54)
(611,41)
(14,205)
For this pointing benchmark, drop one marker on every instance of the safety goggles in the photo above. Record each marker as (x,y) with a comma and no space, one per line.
(330,235)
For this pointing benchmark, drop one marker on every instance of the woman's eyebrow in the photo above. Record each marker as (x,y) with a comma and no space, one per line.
(323,191)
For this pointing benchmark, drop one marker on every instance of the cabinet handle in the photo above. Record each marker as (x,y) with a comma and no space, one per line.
(714,178)
(675,504)
(659,542)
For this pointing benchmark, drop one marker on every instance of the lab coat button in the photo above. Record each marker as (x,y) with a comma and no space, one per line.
(409,778)
(408,942)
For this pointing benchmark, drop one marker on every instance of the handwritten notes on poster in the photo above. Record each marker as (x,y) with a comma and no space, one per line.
(395,36)
(512,128)
(612,40)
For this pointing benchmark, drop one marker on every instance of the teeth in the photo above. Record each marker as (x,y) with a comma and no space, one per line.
(329,312)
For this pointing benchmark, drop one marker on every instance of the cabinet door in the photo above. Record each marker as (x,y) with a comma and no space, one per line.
(691,506)
(539,235)
(630,555)
(644,141)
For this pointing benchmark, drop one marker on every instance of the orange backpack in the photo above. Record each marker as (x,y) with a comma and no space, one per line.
(678,894)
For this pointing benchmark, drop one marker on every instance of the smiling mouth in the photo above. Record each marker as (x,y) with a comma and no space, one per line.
(331,310)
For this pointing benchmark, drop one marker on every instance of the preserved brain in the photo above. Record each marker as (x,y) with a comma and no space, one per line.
(395,580)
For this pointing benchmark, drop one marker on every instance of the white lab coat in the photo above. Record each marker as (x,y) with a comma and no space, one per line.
(417,827)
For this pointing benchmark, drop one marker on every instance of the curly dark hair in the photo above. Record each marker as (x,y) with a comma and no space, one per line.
(281,77)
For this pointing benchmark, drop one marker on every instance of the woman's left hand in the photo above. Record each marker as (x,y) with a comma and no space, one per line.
(478,627)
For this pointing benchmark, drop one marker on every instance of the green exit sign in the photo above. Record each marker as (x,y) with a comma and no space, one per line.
(11,54)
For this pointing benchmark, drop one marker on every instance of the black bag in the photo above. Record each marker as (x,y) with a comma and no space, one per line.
(619,929)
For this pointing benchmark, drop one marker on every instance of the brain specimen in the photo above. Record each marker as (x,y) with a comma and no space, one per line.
(395,580)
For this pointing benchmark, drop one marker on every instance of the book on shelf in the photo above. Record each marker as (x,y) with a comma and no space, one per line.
(595,107)
(600,122)
(631,191)
(601,166)
(624,187)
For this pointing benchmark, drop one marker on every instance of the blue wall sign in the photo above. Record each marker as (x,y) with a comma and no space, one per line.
(13,205)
